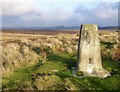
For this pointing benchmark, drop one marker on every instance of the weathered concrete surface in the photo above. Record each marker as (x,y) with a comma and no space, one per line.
(89,57)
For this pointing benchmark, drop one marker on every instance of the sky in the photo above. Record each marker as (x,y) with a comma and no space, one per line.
(47,13)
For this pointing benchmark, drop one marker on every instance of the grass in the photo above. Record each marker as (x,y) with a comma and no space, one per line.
(20,79)
(25,77)
(67,59)
(109,83)
(107,45)
(56,74)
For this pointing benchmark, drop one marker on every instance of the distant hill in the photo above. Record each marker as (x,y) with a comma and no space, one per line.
(61,28)
(110,28)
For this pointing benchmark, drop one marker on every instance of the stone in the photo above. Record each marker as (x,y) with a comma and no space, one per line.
(89,56)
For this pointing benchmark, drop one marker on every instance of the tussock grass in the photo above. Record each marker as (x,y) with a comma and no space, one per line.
(45,63)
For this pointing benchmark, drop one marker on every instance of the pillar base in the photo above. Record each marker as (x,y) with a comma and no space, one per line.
(102,73)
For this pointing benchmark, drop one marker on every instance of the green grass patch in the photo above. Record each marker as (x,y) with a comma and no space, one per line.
(61,66)
(19,80)
(108,45)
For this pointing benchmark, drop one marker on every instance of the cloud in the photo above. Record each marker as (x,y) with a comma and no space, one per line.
(59,1)
(30,13)
(102,13)
(101,10)
(16,1)
(106,11)
(56,14)
(17,7)
(30,17)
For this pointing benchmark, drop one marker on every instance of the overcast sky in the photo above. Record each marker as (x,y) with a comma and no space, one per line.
(42,13)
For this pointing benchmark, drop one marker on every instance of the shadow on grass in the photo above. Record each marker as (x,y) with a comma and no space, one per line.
(110,65)
(108,44)
(67,60)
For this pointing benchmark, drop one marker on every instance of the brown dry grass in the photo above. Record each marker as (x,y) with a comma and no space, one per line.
(26,41)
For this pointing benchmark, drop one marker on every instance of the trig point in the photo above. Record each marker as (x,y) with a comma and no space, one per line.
(89,57)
